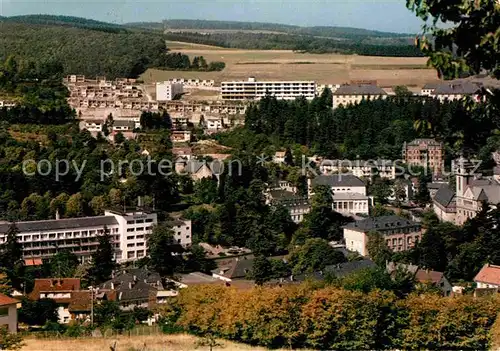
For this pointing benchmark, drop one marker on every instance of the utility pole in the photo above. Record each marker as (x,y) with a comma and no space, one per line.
(91,306)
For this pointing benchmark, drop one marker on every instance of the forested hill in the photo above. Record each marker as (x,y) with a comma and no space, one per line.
(66,21)
(81,46)
(271,36)
(325,31)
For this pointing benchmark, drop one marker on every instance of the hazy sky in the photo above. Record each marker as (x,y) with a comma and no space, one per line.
(386,15)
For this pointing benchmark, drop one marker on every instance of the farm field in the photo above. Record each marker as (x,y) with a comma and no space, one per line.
(283,65)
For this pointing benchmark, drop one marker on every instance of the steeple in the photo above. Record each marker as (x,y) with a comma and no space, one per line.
(464,169)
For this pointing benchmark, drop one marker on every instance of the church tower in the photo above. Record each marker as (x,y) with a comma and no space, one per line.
(464,170)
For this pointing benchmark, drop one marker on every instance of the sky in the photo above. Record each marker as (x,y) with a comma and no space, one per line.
(384,15)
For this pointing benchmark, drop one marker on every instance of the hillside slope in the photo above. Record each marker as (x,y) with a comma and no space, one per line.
(81,46)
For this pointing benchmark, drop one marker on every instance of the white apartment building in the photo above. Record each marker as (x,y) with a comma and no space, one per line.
(355,93)
(214,124)
(42,239)
(166,91)
(193,83)
(255,90)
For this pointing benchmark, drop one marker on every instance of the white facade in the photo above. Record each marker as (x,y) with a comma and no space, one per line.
(42,239)
(134,227)
(166,91)
(356,241)
(362,169)
(255,90)
(214,124)
(182,232)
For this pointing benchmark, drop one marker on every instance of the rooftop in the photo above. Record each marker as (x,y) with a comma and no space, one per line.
(445,196)
(489,274)
(381,223)
(57,224)
(336,180)
(359,89)
(6,300)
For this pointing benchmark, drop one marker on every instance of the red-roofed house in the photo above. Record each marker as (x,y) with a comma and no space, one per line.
(8,313)
(61,290)
(488,277)
(434,278)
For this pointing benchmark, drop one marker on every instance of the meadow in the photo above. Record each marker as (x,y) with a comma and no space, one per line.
(289,65)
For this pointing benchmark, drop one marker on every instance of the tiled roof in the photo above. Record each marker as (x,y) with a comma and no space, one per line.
(6,300)
(426,276)
(489,274)
(350,196)
(197,278)
(54,224)
(381,223)
(336,180)
(359,89)
(57,284)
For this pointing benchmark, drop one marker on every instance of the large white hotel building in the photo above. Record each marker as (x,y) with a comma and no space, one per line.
(129,231)
(255,90)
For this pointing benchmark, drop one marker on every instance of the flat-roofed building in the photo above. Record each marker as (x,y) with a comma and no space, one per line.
(42,239)
(253,89)
(166,91)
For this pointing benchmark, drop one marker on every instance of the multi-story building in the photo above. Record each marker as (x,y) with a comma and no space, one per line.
(400,233)
(255,90)
(128,230)
(454,90)
(297,205)
(349,193)
(355,93)
(193,83)
(359,168)
(166,91)
(427,153)
(182,230)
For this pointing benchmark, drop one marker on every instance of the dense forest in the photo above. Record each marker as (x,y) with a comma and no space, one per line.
(356,316)
(301,43)
(66,21)
(86,47)
(371,129)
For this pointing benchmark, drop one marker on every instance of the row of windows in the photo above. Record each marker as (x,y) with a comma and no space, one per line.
(65,235)
(140,221)
(133,244)
(138,229)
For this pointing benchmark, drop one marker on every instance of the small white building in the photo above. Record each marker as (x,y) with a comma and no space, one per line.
(167,91)
(182,231)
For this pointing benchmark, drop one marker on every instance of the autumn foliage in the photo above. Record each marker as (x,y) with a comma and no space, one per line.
(332,318)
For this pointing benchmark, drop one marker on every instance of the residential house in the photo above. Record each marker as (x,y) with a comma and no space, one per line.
(427,153)
(61,290)
(349,193)
(8,313)
(214,124)
(167,91)
(488,277)
(355,93)
(399,233)
(181,136)
(135,288)
(423,276)
(234,269)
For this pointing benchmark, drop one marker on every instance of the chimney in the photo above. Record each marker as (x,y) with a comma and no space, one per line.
(112,286)
(139,201)
(130,285)
(135,278)
(58,217)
